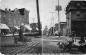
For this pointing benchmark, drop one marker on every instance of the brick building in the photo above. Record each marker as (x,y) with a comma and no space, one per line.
(76,18)
(14,17)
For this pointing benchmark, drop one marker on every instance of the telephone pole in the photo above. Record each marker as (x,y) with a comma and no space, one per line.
(58,8)
(52,21)
(38,16)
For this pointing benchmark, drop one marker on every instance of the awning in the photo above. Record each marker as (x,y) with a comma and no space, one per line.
(37,29)
(17,27)
(56,32)
(3,26)
(28,27)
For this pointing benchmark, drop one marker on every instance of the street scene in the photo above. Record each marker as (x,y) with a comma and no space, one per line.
(42,27)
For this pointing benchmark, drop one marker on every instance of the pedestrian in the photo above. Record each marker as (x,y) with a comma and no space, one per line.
(82,40)
(21,33)
(82,44)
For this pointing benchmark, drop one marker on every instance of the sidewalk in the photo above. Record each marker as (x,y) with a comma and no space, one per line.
(14,34)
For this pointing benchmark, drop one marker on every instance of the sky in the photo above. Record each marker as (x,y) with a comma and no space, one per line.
(46,7)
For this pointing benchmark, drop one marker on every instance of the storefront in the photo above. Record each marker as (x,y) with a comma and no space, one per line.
(4,28)
(27,28)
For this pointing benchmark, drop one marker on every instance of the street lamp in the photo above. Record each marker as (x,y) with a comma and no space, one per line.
(58,8)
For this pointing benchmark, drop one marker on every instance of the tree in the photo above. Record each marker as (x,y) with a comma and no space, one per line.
(34,26)
(45,31)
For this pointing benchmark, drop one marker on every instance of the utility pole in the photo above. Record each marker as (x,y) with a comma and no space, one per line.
(0,21)
(13,27)
(52,23)
(58,20)
(38,16)
(59,8)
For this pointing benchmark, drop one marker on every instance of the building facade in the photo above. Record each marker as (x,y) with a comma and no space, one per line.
(76,18)
(14,17)
(63,26)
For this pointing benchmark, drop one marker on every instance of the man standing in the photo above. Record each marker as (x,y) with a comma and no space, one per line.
(21,33)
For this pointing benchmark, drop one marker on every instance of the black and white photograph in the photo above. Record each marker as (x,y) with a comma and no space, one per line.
(42,27)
